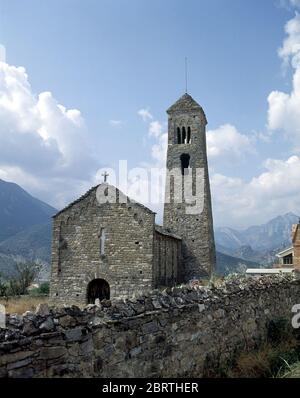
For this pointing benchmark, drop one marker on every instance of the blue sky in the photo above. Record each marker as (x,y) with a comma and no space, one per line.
(110,58)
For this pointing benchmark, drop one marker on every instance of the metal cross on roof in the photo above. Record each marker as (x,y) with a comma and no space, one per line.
(105,175)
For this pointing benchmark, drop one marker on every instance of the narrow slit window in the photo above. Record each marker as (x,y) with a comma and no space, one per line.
(188,135)
(102,241)
(183,135)
(178,136)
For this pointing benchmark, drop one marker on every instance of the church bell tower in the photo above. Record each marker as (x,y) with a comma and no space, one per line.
(187,209)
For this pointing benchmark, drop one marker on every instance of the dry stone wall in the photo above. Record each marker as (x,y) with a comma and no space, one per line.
(178,332)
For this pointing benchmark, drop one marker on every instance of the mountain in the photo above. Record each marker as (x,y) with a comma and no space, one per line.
(7,262)
(257,243)
(25,228)
(228,264)
(31,243)
(274,233)
(229,238)
(19,210)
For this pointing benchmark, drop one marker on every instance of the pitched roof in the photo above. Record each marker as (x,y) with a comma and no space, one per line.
(185,103)
(164,231)
(285,252)
(118,191)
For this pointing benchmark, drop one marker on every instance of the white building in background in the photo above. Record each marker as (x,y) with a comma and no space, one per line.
(268,271)
(286,257)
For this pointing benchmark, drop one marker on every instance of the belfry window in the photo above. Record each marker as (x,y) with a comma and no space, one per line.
(183,135)
(188,140)
(102,241)
(178,136)
(185,162)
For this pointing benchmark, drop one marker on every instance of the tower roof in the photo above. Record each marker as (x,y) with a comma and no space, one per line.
(185,103)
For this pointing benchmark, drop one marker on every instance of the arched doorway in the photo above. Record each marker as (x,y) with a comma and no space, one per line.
(97,289)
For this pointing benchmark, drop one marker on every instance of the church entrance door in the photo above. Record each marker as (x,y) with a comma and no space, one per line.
(97,289)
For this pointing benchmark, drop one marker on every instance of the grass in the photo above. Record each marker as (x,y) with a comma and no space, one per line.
(276,357)
(293,371)
(19,305)
(268,361)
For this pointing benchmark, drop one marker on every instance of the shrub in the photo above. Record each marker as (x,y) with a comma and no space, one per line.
(253,364)
(42,290)
(3,287)
(273,357)
(24,276)
(278,330)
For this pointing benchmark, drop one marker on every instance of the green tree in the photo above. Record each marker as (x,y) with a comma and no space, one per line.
(24,276)
(44,288)
(3,287)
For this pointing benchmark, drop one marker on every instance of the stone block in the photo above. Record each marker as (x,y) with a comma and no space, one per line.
(43,310)
(52,352)
(150,327)
(74,334)
(15,357)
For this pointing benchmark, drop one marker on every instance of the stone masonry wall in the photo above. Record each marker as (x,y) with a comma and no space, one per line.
(167,259)
(194,225)
(127,262)
(173,333)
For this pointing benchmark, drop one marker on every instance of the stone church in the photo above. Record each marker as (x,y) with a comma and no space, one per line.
(112,250)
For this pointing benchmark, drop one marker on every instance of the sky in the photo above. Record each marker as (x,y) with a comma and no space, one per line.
(84,84)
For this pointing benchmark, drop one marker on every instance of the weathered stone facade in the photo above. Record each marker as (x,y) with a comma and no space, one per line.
(179,332)
(113,249)
(128,264)
(187,152)
(167,258)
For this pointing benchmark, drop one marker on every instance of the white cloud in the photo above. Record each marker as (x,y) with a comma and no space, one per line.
(284,108)
(43,145)
(289,52)
(227,142)
(159,150)
(155,129)
(145,114)
(284,111)
(116,123)
(152,190)
(289,4)
(295,3)
(275,191)
(2,53)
